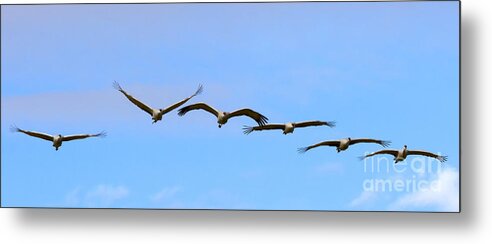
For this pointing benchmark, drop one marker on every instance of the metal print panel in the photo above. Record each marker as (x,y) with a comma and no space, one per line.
(320,106)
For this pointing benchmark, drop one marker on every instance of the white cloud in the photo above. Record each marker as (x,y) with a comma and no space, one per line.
(101,196)
(438,191)
(444,196)
(221,199)
(165,194)
(105,195)
(72,199)
(363,199)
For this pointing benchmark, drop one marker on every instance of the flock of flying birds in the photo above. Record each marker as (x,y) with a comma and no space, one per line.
(223,117)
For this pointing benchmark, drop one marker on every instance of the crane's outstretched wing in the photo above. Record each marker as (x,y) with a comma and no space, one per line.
(259,118)
(367,140)
(428,154)
(249,129)
(196,106)
(33,133)
(176,105)
(325,143)
(139,104)
(315,123)
(82,136)
(391,152)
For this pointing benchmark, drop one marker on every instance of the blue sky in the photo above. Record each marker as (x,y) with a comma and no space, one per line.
(381,70)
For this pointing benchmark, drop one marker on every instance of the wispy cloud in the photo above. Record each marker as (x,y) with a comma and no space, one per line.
(93,105)
(105,195)
(72,199)
(438,191)
(102,196)
(364,199)
(165,194)
(107,108)
(221,199)
(443,197)
(175,197)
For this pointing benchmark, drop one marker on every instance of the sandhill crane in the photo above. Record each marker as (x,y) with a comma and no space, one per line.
(402,154)
(343,144)
(57,139)
(287,127)
(155,113)
(222,117)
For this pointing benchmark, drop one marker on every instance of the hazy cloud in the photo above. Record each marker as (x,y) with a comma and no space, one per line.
(165,194)
(364,198)
(100,196)
(439,193)
(444,198)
